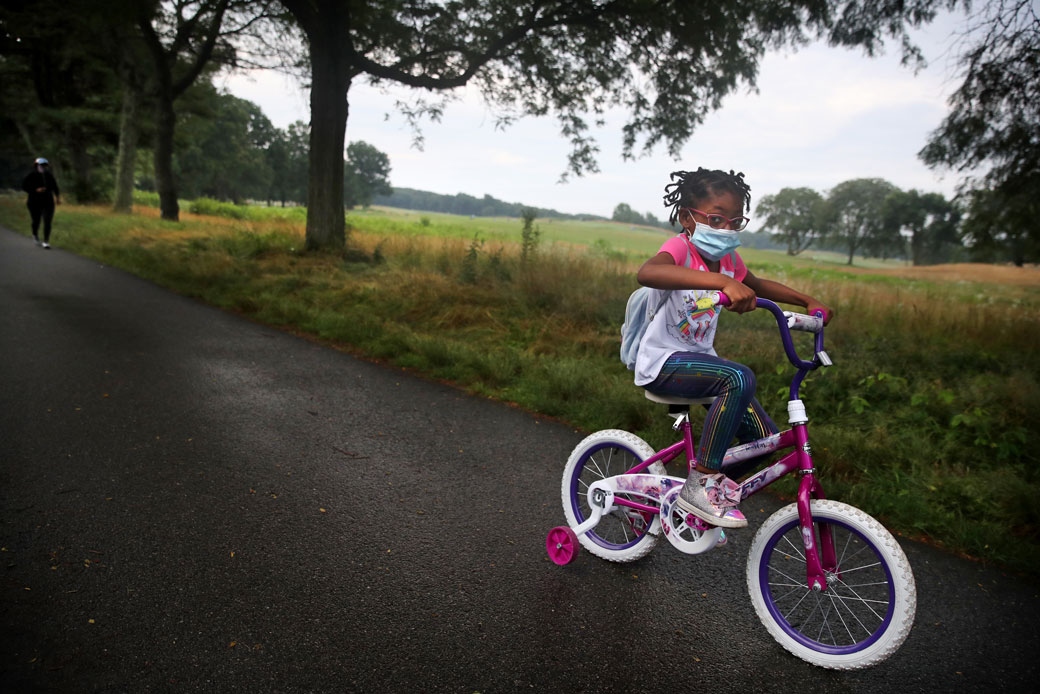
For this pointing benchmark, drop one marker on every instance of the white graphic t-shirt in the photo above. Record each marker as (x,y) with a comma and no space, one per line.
(680,326)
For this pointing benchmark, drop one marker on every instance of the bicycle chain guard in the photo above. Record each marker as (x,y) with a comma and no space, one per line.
(686,532)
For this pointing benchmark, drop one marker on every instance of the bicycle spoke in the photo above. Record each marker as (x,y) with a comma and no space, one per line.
(808,617)
(796,548)
(598,470)
(797,604)
(852,639)
(862,600)
(852,614)
(860,568)
(844,549)
(789,578)
(862,585)
(865,600)
(825,623)
(794,589)
(858,551)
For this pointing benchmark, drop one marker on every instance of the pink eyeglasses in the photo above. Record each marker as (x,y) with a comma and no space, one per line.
(718,221)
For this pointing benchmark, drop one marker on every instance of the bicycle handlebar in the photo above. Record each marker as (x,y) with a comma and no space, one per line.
(787,321)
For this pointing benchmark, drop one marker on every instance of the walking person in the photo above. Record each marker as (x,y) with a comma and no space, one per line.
(43,196)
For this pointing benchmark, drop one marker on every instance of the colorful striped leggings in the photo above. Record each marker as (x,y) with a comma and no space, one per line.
(735,412)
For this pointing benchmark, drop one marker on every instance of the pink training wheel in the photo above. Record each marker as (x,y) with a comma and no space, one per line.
(562,545)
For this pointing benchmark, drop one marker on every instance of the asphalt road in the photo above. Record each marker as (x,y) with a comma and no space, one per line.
(193,502)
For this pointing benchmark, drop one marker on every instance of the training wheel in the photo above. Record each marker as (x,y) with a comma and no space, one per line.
(562,545)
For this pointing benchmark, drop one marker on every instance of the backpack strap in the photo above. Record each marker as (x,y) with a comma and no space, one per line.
(666,294)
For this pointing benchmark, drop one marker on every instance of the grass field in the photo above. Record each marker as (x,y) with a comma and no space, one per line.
(925,421)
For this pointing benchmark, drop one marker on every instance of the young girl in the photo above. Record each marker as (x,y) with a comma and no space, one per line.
(676,356)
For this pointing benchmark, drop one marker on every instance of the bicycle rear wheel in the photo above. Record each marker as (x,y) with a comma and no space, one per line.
(624,534)
(868,608)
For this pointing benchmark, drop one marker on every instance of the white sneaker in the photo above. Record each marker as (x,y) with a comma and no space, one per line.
(46,245)
(36,239)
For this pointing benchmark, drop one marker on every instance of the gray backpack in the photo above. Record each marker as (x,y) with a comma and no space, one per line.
(639,311)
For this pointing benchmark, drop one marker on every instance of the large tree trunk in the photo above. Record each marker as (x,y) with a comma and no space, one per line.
(916,247)
(164,182)
(82,184)
(126,160)
(330,81)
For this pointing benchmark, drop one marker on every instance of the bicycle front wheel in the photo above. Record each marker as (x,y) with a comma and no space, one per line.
(868,608)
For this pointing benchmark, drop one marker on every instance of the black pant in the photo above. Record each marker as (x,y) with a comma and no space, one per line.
(44,211)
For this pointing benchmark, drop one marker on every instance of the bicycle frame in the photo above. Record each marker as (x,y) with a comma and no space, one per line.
(819,561)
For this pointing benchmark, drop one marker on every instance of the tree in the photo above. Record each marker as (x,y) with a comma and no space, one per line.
(1000,227)
(57,89)
(928,220)
(183,39)
(855,214)
(994,124)
(794,216)
(180,45)
(223,152)
(367,174)
(624,213)
(287,159)
(667,63)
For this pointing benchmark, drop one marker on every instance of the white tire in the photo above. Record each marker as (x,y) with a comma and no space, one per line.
(623,535)
(868,608)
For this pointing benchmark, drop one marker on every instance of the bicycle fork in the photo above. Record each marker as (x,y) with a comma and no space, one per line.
(820,559)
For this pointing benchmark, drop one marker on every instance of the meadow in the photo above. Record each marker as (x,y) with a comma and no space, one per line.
(924,421)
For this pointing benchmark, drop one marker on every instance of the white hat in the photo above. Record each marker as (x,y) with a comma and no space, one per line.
(41,160)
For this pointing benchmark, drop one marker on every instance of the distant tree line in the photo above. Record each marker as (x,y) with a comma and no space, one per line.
(461,203)
(625,214)
(869,216)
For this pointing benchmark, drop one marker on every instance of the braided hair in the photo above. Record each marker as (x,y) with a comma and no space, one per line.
(697,185)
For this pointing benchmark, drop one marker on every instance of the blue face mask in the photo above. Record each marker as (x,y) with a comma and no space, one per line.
(714,244)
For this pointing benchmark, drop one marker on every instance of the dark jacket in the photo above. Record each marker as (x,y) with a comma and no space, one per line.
(40,180)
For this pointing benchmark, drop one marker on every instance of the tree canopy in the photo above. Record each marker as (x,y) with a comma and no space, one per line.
(854,215)
(795,216)
(367,174)
(994,126)
(667,64)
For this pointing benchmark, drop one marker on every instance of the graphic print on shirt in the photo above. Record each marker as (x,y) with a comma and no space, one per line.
(694,321)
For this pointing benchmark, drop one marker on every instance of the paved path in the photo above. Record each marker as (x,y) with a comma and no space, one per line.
(192,502)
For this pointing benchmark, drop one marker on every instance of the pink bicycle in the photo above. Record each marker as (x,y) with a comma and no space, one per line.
(829,583)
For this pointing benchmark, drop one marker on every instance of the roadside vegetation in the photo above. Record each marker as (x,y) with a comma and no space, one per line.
(925,420)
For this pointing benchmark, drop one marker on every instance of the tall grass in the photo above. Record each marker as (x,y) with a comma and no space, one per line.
(924,421)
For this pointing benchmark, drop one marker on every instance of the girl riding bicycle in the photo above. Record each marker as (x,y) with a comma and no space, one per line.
(676,355)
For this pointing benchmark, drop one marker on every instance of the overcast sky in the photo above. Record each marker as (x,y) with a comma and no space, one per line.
(821,116)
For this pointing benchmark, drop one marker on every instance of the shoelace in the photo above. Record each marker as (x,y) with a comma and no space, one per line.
(722,492)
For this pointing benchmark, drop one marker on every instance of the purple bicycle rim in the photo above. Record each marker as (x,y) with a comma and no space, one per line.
(576,497)
(763,582)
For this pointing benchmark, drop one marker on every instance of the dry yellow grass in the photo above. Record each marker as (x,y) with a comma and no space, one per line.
(1028,276)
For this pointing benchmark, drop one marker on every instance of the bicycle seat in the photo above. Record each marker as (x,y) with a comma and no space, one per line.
(676,400)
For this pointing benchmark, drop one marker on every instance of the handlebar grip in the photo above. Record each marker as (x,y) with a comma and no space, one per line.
(711,300)
(800,321)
